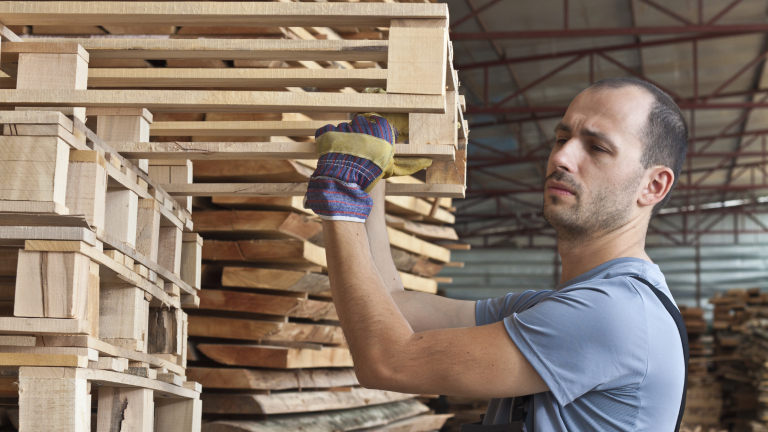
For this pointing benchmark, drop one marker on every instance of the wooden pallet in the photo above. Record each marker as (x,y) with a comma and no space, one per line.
(419,80)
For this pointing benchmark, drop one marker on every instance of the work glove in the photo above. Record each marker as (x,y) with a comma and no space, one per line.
(353,158)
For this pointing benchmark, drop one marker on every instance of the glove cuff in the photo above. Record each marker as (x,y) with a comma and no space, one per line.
(333,199)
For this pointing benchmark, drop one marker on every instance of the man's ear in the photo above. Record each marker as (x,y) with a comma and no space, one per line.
(657,183)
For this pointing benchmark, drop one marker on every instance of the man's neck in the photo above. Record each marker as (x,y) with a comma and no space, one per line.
(580,256)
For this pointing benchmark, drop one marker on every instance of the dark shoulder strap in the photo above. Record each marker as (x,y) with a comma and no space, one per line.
(678,317)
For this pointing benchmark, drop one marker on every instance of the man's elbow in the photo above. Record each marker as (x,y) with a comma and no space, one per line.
(372,374)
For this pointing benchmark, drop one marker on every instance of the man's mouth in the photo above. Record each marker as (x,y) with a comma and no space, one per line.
(559,188)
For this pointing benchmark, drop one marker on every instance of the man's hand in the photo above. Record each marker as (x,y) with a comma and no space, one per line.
(353,157)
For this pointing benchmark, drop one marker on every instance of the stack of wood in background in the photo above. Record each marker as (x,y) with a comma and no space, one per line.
(268,297)
(740,396)
(93,272)
(266,342)
(704,402)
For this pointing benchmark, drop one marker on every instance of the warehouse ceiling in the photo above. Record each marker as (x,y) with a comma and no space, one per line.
(521,63)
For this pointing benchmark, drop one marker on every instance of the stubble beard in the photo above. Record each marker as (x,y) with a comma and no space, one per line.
(589,217)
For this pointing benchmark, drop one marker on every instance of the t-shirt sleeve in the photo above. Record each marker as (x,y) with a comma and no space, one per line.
(496,309)
(584,339)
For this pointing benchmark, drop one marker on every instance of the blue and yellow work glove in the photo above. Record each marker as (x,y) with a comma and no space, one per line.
(353,157)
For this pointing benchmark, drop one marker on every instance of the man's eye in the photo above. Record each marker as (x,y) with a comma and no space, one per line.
(561,141)
(599,149)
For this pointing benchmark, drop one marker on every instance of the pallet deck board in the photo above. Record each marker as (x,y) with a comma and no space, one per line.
(215,13)
(256,150)
(226,101)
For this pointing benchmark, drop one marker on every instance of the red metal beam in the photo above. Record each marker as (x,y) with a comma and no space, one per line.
(539,80)
(616,31)
(586,51)
(473,13)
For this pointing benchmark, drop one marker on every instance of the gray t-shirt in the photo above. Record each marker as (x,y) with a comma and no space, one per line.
(604,344)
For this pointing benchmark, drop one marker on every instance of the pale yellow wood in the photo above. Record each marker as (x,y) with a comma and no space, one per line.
(52,285)
(87,187)
(103,111)
(178,415)
(148,228)
(52,71)
(27,341)
(417,246)
(121,215)
(234,78)
(6,35)
(417,56)
(418,283)
(126,409)
(214,14)
(226,49)
(123,313)
(182,174)
(110,379)
(64,400)
(412,205)
(33,169)
(45,232)
(297,402)
(300,189)
(35,117)
(43,326)
(108,266)
(435,128)
(121,128)
(191,259)
(227,101)
(169,255)
(239,128)
(88,353)
(106,349)
(115,364)
(64,360)
(253,150)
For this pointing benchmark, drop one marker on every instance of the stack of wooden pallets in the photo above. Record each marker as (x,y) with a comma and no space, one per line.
(96,260)
(176,118)
(737,317)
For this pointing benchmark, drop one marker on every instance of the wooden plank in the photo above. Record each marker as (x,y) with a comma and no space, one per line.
(121,212)
(178,415)
(110,379)
(294,203)
(211,14)
(221,49)
(284,280)
(51,285)
(414,206)
(43,326)
(64,400)
(238,128)
(123,313)
(417,246)
(6,35)
(47,233)
(87,186)
(230,328)
(251,171)
(25,359)
(417,56)
(299,402)
(429,422)
(111,269)
(261,224)
(191,259)
(416,283)
(257,150)
(34,117)
(277,357)
(300,189)
(226,101)
(286,251)
(125,409)
(162,331)
(422,230)
(110,350)
(414,264)
(236,301)
(338,421)
(261,379)
(169,255)
(231,78)
(33,169)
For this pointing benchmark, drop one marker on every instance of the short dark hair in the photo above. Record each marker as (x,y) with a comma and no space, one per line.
(665,132)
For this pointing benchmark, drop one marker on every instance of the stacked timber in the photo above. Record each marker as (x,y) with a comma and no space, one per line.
(266,342)
(247,151)
(704,402)
(95,266)
(734,309)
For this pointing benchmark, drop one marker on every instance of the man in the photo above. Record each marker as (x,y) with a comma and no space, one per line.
(600,352)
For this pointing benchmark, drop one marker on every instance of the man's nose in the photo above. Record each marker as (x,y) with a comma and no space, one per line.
(565,157)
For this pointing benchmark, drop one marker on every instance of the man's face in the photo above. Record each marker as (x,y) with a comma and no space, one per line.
(594,170)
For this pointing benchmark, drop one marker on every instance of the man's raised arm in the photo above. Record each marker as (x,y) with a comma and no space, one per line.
(423,311)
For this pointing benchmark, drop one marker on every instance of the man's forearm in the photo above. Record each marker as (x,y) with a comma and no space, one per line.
(369,316)
(423,311)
